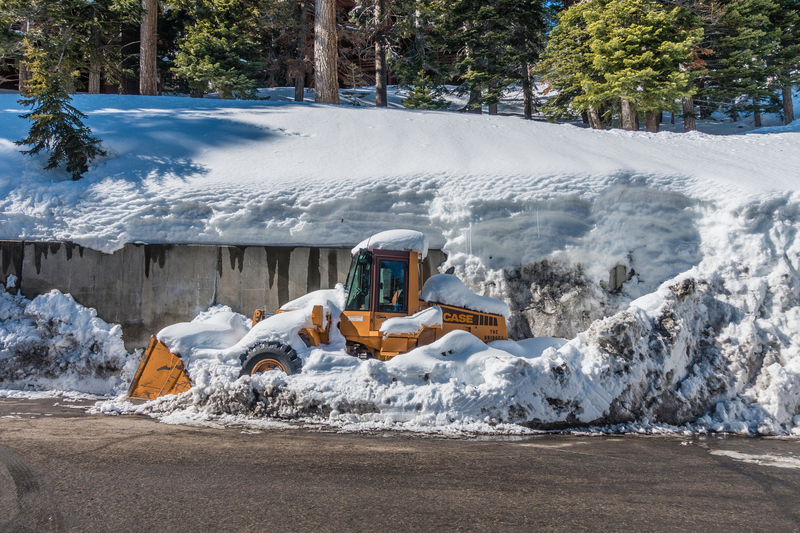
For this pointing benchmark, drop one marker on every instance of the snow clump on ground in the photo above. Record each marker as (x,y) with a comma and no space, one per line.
(54,343)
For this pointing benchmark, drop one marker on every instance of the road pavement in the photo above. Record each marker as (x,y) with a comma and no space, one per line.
(64,470)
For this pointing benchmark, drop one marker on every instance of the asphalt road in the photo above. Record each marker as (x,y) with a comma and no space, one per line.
(63,470)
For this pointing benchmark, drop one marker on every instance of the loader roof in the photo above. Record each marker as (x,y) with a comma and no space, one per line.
(401,240)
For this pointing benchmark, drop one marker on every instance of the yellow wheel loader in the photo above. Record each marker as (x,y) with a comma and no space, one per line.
(383,284)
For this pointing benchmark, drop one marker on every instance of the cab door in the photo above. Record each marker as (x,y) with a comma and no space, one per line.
(390,286)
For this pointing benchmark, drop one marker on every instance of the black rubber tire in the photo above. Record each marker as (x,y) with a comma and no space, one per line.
(275,354)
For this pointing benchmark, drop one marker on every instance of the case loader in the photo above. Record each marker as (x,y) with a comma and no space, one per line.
(382,284)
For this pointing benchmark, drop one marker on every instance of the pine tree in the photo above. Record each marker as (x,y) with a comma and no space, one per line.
(423,94)
(420,60)
(567,65)
(629,54)
(496,42)
(219,51)
(784,60)
(148,82)
(86,35)
(642,52)
(738,75)
(57,127)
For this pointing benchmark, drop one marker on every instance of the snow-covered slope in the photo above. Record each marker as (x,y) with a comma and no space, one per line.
(189,170)
(703,231)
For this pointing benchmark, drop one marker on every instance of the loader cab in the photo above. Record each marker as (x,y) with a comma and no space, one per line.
(381,284)
(378,282)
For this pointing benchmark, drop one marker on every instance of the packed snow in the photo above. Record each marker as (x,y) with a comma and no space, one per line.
(696,329)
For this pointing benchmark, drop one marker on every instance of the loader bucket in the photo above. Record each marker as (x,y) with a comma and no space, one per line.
(161,372)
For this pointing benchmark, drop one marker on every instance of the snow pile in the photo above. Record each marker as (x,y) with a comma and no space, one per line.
(215,329)
(401,240)
(449,290)
(715,348)
(427,318)
(53,342)
(331,300)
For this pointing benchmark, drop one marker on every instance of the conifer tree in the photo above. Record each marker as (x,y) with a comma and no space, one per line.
(632,54)
(738,73)
(57,127)
(219,52)
(420,60)
(567,65)
(496,42)
(785,58)
(86,34)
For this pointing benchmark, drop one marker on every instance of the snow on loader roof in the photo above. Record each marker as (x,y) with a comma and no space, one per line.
(401,240)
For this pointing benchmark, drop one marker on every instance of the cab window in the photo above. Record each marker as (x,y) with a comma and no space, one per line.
(358,282)
(392,286)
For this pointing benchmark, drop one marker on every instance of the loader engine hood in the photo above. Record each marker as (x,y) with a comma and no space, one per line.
(449,290)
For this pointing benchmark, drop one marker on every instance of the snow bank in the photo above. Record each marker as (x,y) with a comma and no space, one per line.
(698,325)
(215,172)
(449,290)
(401,240)
(53,342)
(715,348)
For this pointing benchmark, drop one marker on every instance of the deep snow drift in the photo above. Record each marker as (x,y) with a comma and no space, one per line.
(699,324)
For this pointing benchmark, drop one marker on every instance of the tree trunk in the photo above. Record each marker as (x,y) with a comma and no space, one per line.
(24,71)
(651,121)
(627,116)
(474,104)
(129,40)
(380,56)
(24,77)
(594,119)
(689,117)
(527,95)
(94,67)
(299,86)
(788,105)
(147,49)
(302,50)
(326,78)
(493,107)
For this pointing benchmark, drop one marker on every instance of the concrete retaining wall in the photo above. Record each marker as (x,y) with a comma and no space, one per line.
(145,287)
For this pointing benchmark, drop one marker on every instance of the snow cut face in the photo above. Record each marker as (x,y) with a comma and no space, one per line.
(449,290)
(401,240)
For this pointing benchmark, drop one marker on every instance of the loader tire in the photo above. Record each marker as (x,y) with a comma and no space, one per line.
(268,356)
